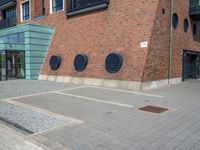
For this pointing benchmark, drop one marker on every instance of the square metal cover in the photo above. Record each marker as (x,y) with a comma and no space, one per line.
(153,109)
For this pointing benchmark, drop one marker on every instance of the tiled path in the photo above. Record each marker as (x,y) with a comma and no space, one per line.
(12,140)
(111,119)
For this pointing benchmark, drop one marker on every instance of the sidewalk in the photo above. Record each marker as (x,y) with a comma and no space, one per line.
(12,140)
(103,118)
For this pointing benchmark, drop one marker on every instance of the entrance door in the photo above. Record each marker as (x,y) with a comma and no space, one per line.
(191,66)
(2,65)
(15,65)
(198,66)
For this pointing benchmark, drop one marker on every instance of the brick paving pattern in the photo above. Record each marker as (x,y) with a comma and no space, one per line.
(109,126)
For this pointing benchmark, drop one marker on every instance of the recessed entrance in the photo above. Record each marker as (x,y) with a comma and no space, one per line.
(191,65)
(12,65)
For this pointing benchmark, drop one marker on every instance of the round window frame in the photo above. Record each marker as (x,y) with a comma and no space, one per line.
(120,59)
(84,65)
(55,62)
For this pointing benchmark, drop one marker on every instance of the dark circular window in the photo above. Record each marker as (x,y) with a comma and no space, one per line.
(80,62)
(55,62)
(185,25)
(113,62)
(175,21)
(194,28)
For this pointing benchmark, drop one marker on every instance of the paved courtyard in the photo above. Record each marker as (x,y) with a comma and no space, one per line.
(79,117)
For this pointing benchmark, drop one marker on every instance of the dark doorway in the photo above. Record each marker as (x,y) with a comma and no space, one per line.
(2,65)
(12,65)
(191,67)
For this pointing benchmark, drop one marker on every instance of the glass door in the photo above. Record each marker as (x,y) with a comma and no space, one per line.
(2,65)
(15,65)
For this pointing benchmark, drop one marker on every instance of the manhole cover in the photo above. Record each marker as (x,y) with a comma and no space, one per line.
(153,109)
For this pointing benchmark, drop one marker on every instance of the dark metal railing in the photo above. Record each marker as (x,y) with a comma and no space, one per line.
(9,22)
(4,2)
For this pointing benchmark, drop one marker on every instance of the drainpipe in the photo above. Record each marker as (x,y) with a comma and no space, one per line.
(170,42)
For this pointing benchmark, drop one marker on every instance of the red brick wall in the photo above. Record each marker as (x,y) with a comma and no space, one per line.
(120,28)
(157,59)
(156,67)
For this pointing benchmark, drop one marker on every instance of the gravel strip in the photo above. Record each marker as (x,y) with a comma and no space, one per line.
(28,120)
(15,88)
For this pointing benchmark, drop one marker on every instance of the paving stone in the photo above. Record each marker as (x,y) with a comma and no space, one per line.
(28,120)
(108,127)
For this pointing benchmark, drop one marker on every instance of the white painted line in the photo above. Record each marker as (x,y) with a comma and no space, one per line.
(95,100)
(125,91)
(69,120)
(42,93)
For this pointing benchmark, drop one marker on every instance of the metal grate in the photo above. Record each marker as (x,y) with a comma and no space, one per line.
(153,109)
(80,62)
(55,62)
(113,62)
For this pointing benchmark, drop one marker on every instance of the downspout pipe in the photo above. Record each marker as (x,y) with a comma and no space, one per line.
(170,42)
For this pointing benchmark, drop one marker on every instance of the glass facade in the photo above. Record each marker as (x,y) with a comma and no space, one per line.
(12,65)
(22,51)
(13,38)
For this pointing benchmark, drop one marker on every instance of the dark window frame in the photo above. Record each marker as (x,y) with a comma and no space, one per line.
(76,10)
(175,20)
(194,28)
(185,25)
(57,6)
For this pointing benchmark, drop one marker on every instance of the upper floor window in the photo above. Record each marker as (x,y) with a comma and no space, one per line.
(82,6)
(25,10)
(40,11)
(9,13)
(57,5)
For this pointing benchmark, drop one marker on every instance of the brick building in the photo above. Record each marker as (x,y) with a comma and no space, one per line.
(130,44)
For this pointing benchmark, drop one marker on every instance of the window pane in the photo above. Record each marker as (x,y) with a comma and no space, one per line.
(81,4)
(57,5)
(10,13)
(4,39)
(21,37)
(12,38)
(25,10)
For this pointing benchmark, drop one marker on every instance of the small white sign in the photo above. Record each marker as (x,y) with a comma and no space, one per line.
(143,44)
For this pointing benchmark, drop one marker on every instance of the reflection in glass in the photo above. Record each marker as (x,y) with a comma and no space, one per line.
(17,38)
(15,65)
(2,66)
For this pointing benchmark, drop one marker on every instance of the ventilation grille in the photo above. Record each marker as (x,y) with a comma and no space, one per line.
(55,62)
(80,62)
(113,62)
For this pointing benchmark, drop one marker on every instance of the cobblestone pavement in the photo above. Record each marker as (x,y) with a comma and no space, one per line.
(111,119)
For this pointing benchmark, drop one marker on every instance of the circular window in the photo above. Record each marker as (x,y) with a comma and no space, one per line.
(175,21)
(185,25)
(55,62)
(194,28)
(80,62)
(113,62)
